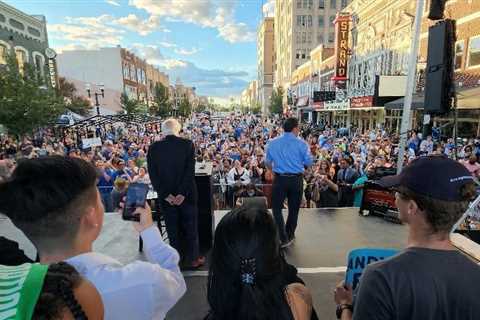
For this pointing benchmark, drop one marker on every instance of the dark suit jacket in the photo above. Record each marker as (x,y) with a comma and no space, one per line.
(171,166)
(11,254)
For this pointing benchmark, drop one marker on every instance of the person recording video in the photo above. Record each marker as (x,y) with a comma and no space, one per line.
(55,202)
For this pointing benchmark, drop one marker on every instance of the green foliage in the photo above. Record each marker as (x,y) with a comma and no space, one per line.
(162,106)
(185,108)
(257,108)
(73,101)
(131,106)
(276,101)
(26,102)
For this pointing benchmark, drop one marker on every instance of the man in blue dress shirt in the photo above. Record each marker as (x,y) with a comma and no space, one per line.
(288,156)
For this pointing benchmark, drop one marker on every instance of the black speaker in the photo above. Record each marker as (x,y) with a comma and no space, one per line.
(205,212)
(439,88)
(437,7)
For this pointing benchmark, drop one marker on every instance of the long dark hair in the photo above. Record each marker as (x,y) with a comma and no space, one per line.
(248,234)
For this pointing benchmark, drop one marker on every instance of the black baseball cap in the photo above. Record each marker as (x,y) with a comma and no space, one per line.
(437,177)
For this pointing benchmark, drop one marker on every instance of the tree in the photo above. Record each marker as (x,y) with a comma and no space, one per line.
(256,108)
(276,101)
(26,103)
(163,107)
(73,101)
(130,106)
(185,108)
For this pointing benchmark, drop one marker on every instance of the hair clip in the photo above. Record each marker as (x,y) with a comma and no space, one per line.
(248,271)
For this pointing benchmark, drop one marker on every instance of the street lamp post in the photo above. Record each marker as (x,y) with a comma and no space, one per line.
(97,94)
(412,69)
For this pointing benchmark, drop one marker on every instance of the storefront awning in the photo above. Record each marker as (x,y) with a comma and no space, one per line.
(417,103)
(467,99)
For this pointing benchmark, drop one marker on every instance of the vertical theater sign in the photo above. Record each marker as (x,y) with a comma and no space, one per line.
(342,29)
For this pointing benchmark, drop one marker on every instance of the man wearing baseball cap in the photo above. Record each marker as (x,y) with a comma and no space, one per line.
(430,279)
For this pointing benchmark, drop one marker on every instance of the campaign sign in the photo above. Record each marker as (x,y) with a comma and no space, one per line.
(91,142)
(358,260)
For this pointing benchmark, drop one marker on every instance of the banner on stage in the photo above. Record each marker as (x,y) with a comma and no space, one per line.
(91,142)
(359,259)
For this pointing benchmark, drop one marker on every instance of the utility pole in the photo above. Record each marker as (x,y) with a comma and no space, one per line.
(411,84)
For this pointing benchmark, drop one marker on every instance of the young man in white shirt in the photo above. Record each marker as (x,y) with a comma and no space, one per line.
(55,202)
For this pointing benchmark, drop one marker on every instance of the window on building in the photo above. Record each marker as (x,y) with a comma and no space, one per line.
(21,56)
(299,54)
(299,21)
(39,66)
(319,38)
(305,4)
(309,37)
(321,4)
(459,50)
(321,22)
(344,3)
(333,4)
(304,37)
(299,4)
(3,53)
(331,19)
(474,52)
(331,37)
(310,4)
(297,37)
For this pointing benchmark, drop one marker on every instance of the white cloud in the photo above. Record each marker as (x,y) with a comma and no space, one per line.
(269,8)
(142,27)
(168,45)
(89,32)
(186,52)
(205,13)
(236,33)
(211,82)
(113,3)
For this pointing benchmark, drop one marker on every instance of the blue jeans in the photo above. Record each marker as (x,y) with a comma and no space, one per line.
(107,201)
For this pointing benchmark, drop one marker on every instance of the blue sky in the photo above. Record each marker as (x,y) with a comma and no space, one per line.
(209,44)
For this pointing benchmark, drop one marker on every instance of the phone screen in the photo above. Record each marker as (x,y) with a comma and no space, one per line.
(136,198)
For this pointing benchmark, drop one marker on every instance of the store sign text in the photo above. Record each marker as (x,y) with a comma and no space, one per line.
(341,105)
(342,24)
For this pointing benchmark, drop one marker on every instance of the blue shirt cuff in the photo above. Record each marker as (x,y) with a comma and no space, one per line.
(151,237)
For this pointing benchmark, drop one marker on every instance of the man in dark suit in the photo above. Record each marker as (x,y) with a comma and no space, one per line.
(346,177)
(171,166)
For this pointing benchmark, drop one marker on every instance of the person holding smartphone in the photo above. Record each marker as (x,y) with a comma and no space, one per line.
(54,201)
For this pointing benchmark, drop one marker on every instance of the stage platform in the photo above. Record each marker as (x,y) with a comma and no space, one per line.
(323,239)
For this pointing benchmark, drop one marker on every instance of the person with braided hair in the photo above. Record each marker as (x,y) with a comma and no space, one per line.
(249,278)
(47,292)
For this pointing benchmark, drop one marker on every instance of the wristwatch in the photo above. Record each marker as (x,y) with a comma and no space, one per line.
(341,307)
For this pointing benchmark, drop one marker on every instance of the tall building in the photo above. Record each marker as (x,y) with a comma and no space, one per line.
(300,26)
(116,69)
(155,77)
(265,62)
(25,36)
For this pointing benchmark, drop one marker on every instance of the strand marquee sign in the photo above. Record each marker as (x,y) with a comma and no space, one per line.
(342,29)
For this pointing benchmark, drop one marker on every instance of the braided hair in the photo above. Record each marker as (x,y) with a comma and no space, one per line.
(57,294)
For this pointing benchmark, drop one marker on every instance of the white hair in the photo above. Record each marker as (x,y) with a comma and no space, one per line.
(171,127)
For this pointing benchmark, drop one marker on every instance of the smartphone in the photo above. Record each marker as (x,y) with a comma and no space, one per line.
(136,198)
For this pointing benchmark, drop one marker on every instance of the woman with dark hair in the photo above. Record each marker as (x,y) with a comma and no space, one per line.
(42,292)
(249,278)
(324,190)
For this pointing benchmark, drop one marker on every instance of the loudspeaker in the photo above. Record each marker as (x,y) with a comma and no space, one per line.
(205,212)
(437,7)
(439,88)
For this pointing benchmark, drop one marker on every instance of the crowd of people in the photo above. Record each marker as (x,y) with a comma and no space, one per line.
(236,147)
(54,200)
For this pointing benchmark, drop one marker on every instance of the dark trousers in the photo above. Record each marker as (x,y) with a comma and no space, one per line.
(182,229)
(290,187)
